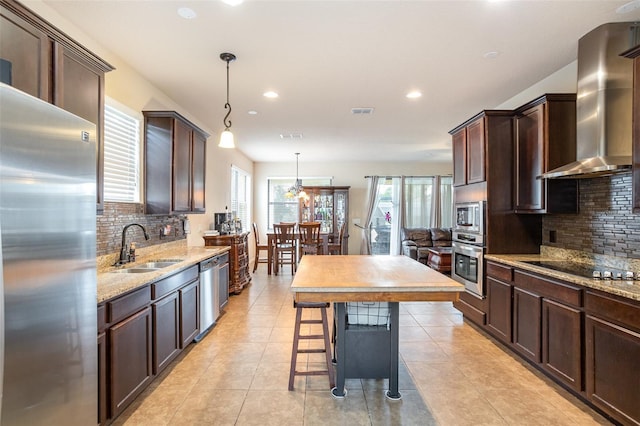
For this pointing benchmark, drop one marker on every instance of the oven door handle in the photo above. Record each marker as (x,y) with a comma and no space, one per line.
(466,250)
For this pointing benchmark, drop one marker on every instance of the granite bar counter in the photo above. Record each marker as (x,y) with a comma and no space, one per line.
(111,284)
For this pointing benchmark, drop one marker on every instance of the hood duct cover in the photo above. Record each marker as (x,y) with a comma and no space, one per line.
(604,103)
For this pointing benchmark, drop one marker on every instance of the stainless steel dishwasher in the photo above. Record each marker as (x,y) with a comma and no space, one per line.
(209,295)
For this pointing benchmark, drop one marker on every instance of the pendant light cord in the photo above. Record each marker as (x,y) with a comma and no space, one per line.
(225,121)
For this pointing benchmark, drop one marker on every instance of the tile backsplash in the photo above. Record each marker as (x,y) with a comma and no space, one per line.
(117,215)
(605,223)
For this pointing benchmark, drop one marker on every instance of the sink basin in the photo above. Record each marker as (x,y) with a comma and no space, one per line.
(171,261)
(157,264)
(136,270)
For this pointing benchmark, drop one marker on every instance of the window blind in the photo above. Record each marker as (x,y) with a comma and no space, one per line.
(121,156)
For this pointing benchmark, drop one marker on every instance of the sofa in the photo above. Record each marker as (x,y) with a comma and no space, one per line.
(417,241)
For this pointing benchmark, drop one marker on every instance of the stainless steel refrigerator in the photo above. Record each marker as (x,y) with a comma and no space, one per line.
(48,355)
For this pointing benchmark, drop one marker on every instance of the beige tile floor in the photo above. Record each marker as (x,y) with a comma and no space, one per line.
(450,374)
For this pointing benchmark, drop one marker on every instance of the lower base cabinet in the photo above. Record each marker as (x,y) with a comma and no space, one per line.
(130,359)
(527,324)
(166,338)
(189,313)
(612,356)
(562,343)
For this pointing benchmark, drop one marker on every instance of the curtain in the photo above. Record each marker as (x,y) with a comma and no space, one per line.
(372,191)
(398,223)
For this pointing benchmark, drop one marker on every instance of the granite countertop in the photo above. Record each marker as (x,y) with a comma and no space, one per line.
(628,289)
(111,284)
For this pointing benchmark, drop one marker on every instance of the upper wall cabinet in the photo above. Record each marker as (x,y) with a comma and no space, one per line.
(471,142)
(175,163)
(42,61)
(635,55)
(545,139)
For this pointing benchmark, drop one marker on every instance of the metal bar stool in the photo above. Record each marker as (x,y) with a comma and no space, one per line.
(324,336)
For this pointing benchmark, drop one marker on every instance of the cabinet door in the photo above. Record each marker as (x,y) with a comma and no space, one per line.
(530,159)
(475,152)
(79,89)
(198,172)
(27,49)
(612,373)
(499,309)
(561,343)
(459,141)
(130,359)
(181,191)
(189,313)
(526,323)
(166,339)
(102,378)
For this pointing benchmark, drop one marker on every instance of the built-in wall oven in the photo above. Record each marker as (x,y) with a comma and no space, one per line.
(468,246)
(467,266)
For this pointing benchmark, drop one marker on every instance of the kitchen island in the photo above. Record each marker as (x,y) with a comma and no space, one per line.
(392,279)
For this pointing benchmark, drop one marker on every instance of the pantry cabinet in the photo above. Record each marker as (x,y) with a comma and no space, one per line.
(175,163)
(545,139)
(40,60)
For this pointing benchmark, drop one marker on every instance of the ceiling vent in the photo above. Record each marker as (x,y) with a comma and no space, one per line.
(361,111)
(290,135)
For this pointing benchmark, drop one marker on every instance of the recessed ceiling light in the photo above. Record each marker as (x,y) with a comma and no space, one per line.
(414,94)
(252,112)
(232,2)
(628,7)
(187,13)
(271,95)
(491,55)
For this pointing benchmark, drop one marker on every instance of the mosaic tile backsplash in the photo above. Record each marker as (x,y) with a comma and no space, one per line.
(605,223)
(117,215)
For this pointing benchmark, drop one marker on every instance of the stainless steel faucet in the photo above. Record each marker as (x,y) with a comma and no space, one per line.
(124,253)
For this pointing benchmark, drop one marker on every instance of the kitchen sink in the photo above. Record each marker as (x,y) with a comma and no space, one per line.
(156,264)
(137,270)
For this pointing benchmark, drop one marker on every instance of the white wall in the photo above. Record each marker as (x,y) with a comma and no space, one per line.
(343,174)
(131,89)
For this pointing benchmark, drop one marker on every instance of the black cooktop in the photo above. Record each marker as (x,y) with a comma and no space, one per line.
(574,268)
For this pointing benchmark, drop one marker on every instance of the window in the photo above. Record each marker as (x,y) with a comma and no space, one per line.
(284,209)
(121,156)
(241,195)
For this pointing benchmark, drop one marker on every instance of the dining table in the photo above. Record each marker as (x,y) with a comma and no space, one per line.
(271,242)
(340,279)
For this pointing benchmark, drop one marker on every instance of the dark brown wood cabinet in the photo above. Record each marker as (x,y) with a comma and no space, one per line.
(166,326)
(562,342)
(239,276)
(130,354)
(328,205)
(545,131)
(47,64)
(175,162)
(469,153)
(635,55)
(612,355)
(527,324)
(499,311)
(189,313)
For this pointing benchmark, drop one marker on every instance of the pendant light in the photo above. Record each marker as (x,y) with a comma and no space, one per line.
(297,190)
(226,138)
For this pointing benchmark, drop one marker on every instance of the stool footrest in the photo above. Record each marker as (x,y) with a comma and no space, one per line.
(312,373)
(311,351)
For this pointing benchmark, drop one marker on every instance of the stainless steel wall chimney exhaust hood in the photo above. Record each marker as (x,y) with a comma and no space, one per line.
(603,103)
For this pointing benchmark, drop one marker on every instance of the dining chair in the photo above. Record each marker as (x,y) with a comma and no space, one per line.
(310,242)
(258,248)
(336,246)
(285,246)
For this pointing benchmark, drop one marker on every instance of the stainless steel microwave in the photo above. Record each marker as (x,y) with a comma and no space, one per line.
(470,217)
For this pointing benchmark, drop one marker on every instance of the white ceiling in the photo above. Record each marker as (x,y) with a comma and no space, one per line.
(326,57)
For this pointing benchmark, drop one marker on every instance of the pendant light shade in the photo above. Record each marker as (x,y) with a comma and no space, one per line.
(226,138)
(297,190)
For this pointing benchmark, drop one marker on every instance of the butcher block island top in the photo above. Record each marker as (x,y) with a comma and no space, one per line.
(350,278)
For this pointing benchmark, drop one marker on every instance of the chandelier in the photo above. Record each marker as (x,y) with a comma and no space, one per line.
(297,190)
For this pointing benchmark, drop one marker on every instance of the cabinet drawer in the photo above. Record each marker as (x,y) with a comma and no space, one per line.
(172,283)
(551,289)
(499,271)
(626,314)
(102,318)
(124,306)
